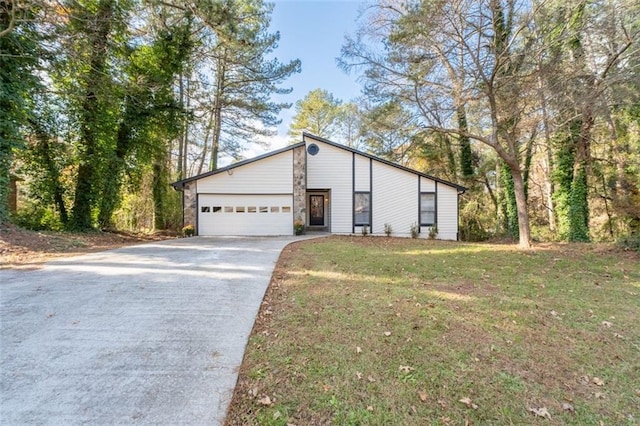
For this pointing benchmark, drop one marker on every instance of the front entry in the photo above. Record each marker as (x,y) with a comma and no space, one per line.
(316,210)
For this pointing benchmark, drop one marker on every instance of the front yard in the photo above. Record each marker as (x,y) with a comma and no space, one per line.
(363,330)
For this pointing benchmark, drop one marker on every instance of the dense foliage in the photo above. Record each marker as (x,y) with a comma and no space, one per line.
(533,106)
(103,103)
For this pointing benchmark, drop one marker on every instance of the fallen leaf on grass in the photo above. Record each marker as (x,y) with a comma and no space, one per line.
(423,396)
(467,401)
(540,412)
(369,408)
(358,350)
(358,375)
(598,395)
(266,401)
(371,379)
(568,407)
(598,381)
(405,369)
(442,403)
(606,324)
(387,333)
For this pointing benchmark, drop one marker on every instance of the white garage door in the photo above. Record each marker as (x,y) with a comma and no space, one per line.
(251,214)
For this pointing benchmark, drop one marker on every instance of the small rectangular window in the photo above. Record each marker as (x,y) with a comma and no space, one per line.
(427,209)
(251,209)
(228,209)
(264,209)
(205,209)
(362,208)
(217,209)
(286,209)
(275,209)
(240,209)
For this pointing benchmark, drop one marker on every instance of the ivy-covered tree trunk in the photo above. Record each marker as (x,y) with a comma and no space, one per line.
(579,206)
(44,156)
(466,156)
(508,206)
(570,175)
(160,192)
(17,56)
(87,183)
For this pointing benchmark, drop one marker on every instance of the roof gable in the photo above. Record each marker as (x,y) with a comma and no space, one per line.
(180,184)
(460,188)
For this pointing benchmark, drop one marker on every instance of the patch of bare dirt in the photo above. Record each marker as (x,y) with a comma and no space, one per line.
(21,248)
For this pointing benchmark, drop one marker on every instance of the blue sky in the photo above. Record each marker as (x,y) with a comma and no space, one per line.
(313,31)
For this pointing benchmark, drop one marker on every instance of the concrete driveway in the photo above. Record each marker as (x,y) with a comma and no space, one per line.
(149,334)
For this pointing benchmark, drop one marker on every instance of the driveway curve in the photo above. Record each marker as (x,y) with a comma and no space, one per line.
(147,334)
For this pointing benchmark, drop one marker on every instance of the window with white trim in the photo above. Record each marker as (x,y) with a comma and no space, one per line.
(362,208)
(427,208)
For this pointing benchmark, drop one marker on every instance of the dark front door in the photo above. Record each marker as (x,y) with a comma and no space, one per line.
(316,210)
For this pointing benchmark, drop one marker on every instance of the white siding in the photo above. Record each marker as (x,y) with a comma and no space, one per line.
(257,215)
(447,205)
(331,168)
(427,185)
(363,175)
(394,199)
(271,175)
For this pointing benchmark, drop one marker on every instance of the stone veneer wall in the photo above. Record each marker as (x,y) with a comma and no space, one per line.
(300,183)
(190,204)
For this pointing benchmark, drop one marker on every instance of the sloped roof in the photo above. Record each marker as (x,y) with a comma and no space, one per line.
(180,184)
(460,188)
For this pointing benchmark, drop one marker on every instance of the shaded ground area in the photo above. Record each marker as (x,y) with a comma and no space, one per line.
(21,248)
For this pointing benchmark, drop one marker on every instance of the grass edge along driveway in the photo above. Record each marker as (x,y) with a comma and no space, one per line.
(371,330)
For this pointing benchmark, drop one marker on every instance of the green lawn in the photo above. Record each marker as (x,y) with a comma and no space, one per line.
(364,330)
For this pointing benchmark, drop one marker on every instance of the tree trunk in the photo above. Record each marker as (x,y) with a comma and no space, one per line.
(524,230)
(217,112)
(508,205)
(181,139)
(206,139)
(51,169)
(185,141)
(85,191)
(466,156)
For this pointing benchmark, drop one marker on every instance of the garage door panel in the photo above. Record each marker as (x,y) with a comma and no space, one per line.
(239,214)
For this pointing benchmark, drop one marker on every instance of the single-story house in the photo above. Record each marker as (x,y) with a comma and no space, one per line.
(326,186)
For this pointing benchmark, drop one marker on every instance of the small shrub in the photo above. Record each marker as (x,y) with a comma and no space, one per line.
(189,231)
(37,217)
(364,230)
(630,242)
(433,232)
(415,230)
(298,227)
(387,229)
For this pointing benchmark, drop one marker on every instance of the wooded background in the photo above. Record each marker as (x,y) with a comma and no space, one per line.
(534,106)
